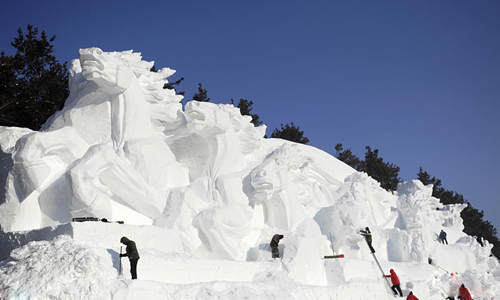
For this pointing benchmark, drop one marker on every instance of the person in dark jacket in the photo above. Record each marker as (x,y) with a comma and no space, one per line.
(442,237)
(368,237)
(274,245)
(480,240)
(463,293)
(411,296)
(132,254)
(395,283)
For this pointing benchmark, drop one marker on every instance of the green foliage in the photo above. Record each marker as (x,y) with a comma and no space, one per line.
(245,107)
(474,224)
(202,94)
(349,158)
(290,132)
(385,173)
(34,85)
(171,86)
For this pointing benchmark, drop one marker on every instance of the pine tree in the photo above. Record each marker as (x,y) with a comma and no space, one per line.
(349,158)
(290,132)
(202,94)
(385,173)
(34,85)
(245,107)
(171,86)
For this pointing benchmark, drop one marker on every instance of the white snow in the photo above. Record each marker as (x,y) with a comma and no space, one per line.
(202,193)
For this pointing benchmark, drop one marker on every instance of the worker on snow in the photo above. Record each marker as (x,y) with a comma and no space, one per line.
(133,255)
(274,245)
(442,237)
(368,237)
(463,293)
(411,296)
(395,283)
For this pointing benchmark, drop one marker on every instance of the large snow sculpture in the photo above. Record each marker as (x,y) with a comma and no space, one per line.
(124,174)
(139,167)
(277,185)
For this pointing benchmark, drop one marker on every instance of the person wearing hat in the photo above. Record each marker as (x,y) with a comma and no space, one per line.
(274,245)
(395,283)
(368,237)
(411,296)
(463,293)
(132,254)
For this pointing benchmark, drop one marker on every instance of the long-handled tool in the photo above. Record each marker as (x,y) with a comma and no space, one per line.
(333,256)
(120,272)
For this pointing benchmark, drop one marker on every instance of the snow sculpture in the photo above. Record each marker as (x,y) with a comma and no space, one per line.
(276,184)
(122,148)
(362,203)
(139,167)
(123,174)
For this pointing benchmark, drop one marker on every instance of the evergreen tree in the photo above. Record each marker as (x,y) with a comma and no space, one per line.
(349,158)
(34,85)
(202,94)
(290,132)
(385,173)
(171,86)
(474,224)
(245,107)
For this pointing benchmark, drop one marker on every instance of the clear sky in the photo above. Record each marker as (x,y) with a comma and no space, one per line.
(418,80)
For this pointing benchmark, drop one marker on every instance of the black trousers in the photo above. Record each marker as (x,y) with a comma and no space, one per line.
(444,240)
(133,268)
(276,252)
(371,247)
(398,288)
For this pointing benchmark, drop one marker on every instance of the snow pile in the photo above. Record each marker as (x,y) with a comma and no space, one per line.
(61,269)
(202,193)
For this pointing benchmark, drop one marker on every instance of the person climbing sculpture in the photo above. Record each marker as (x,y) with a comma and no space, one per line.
(274,245)
(368,237)
(442,237)
(395,283)
(463,293)
(132,254)
(479,239)
(411,296)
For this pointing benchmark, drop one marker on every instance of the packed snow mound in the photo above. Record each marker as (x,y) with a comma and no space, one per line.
(202,192)
(60,269)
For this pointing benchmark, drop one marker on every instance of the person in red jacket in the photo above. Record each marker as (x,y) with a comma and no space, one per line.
(463,293)
(411,296)
(395,283)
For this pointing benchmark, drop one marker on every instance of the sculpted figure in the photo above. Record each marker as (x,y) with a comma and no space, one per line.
(275,186)
(137,167)
(226,137)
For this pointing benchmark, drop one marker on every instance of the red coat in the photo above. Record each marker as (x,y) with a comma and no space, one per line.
(411,297)
(394,277)
(464,293)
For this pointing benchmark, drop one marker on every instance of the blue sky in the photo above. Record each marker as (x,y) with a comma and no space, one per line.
(418,80)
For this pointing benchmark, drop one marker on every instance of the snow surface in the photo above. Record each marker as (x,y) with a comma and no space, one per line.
(202,193)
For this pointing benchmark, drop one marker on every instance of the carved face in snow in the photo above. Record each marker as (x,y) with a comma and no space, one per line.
(269,177)
(107,71)
(274,173)
(206,118)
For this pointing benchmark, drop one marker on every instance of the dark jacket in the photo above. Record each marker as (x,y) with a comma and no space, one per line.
(367,234)
(275,240)
(442,235)
(131,249)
